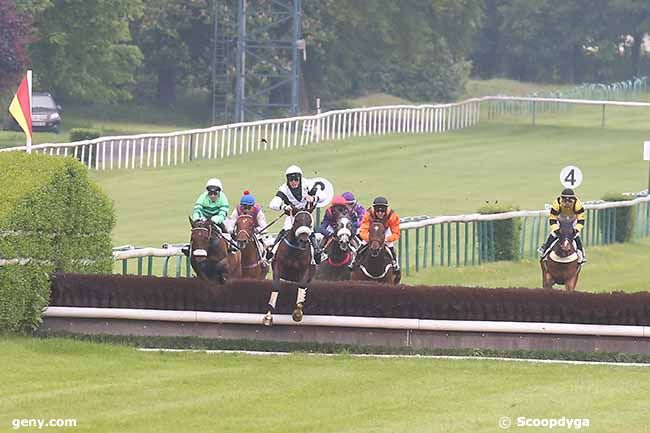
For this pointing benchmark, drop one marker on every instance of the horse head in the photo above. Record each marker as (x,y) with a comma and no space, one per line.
(200,239)
(343,232)
(567,234)
(376,237)
(244,230)
(302,228)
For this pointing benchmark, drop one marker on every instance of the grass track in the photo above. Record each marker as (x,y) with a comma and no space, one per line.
(112,388)
(452,173)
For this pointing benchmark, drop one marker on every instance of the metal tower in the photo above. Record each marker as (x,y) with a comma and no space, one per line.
(269,35)
(222,60)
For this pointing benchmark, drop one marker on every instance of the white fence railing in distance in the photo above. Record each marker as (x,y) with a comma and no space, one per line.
(167,149)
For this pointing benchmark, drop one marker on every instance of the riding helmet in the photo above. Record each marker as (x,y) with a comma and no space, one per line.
(247,199)
(213,184)
(380,201)
(293,169)
(349,197)
(339,200)
(568,192)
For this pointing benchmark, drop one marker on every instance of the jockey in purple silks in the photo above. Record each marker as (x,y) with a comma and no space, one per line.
(355,211)
(337,208)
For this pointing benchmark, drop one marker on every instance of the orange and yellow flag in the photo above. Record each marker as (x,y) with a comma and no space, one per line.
(21,107)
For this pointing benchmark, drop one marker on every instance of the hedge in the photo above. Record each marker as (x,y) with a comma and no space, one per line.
(52,218)
(505,234)
(624,218)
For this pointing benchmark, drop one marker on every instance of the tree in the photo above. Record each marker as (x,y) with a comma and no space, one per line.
(83,48)
(14,32)
(175,37)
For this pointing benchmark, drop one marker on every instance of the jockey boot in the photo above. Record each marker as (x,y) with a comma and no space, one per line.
(186,250)
(542,250)
(316,247)
(360,250)
(581,248)
(278,238)
(394,263)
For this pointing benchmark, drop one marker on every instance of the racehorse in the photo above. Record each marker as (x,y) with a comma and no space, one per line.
(562,265)
(292,262)
(209,254)
(374,262)
(252,263)
(339,252)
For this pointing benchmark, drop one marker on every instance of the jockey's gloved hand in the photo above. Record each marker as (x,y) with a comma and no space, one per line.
(330,231)
(288,209)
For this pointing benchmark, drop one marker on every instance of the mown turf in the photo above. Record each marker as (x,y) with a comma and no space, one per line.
(505,160)
(111,388)
(614,267)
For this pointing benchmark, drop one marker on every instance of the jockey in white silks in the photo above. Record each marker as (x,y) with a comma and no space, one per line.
(293,196)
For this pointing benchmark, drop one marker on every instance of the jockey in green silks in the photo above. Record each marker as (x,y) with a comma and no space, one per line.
(212,204)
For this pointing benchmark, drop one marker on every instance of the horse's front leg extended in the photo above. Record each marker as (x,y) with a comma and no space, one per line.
(547,278)
(301,295)
(268,317)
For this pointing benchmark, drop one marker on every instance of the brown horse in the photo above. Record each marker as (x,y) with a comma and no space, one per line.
(562,265)
(374,261)
(209,254)
(339,252)
(292,263)
(252,263)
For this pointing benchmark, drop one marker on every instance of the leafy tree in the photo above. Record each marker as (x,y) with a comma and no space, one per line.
(175,37)
(83,48)
(14,32)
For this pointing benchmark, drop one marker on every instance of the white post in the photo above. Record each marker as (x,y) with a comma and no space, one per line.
(28,140)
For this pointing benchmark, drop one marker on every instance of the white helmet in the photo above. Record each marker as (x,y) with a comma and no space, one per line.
(213,184)
(294,169)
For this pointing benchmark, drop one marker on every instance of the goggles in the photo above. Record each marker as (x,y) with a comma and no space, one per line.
(215,191)
(293,177)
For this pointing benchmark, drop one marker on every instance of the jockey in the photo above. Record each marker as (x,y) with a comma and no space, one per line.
(355,210)
(380,212)
(212,204)
(247,206)
(337,208)
(295,195)
(570,205)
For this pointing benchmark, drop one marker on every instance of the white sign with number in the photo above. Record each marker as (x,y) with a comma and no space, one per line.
(646,150)
(571,176)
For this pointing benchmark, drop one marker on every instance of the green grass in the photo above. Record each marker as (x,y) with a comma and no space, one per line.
(502,86)
(110,388)
(443,174)
(614,267)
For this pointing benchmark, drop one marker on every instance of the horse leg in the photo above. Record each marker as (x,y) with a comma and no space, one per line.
(571,283)
(547,278)
(268,317)
(301,296)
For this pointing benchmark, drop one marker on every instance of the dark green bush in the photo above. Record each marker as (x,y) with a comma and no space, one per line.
(80,134)
(506,234)
(624,217)
(52,218)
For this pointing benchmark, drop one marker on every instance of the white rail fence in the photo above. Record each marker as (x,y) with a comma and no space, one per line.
(166,149)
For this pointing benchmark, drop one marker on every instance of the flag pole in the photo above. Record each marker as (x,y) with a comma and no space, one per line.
(28,141)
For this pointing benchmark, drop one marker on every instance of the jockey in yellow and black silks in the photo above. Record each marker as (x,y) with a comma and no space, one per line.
(570,205)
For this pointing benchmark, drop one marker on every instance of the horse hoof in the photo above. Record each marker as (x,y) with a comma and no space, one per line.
(297,313)
(268,319)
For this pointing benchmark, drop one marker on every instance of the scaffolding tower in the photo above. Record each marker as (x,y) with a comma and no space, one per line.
(269,37)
